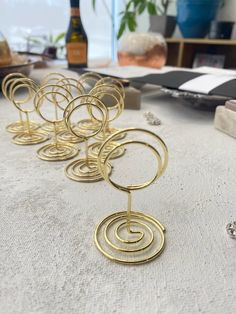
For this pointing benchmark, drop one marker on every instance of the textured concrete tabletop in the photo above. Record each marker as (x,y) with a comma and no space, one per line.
(48,261)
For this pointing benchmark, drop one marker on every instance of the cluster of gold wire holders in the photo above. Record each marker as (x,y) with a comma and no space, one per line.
(128,237)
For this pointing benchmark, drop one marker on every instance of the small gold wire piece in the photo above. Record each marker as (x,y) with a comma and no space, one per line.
(131,237)
(57,97)
(85,169)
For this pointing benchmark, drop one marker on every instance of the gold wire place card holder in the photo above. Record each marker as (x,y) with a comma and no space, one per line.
(131,237)
(108,82)
(85,169)
(56,98)
(88,81)
(76,89)
(7,85)
(114,102)
(22,93)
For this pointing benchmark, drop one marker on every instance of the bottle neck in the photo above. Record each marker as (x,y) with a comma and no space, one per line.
(75,11)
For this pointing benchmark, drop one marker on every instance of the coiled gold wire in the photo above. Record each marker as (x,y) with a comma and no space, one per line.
(29,135)
(56,96)
(85,169)
(7,86)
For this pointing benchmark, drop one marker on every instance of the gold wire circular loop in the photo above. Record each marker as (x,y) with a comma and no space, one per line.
(9,79)
(162,164)
(110,93)
(131,237)
(112,81)
(52,78)
(71,83)
(54,91)
(85,101)
(31,88)
(89,80)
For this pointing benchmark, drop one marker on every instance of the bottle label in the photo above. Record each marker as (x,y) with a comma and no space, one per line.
(77,53)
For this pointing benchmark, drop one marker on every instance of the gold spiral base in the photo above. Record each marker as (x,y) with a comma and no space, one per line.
(88,124)
(57,152)
(49,127)
(104,135)
(20,126)
(67,136)
(135,242)
(84,170)
(94,149)
(32,138)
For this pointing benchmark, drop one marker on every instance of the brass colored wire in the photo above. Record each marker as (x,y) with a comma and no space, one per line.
(85,169)
(112,96)
(131,237)
(109,90)
(28,136)
(7,85)
(55,151)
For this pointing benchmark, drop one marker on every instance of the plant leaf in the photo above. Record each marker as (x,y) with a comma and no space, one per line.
(121,30)
(132,22)
(141,7)
(94,4)
(59,37)
(151,8)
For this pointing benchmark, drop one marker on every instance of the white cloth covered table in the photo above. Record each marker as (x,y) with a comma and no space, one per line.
(48,259)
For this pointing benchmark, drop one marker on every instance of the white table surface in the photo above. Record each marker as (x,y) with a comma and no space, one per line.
(48,259)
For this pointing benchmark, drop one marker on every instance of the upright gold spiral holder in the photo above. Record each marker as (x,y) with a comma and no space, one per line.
(52,80)
(7,86)
(111,97)
(76,89)
(88,80)
(55,95)
(131,237)
(109,82)
(28,136)
(85,169)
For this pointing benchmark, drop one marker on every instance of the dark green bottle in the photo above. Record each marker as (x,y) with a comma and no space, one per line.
(76,39)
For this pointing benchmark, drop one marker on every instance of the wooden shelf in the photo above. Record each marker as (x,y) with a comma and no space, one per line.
(181,51)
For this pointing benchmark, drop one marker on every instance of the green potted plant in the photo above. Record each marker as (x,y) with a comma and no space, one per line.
(159,21)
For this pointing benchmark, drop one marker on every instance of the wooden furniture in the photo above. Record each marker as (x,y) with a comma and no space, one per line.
(181,51)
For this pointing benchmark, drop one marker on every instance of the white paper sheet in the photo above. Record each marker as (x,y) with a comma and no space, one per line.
(205,83)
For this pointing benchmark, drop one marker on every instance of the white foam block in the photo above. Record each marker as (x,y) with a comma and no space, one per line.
(225,120)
